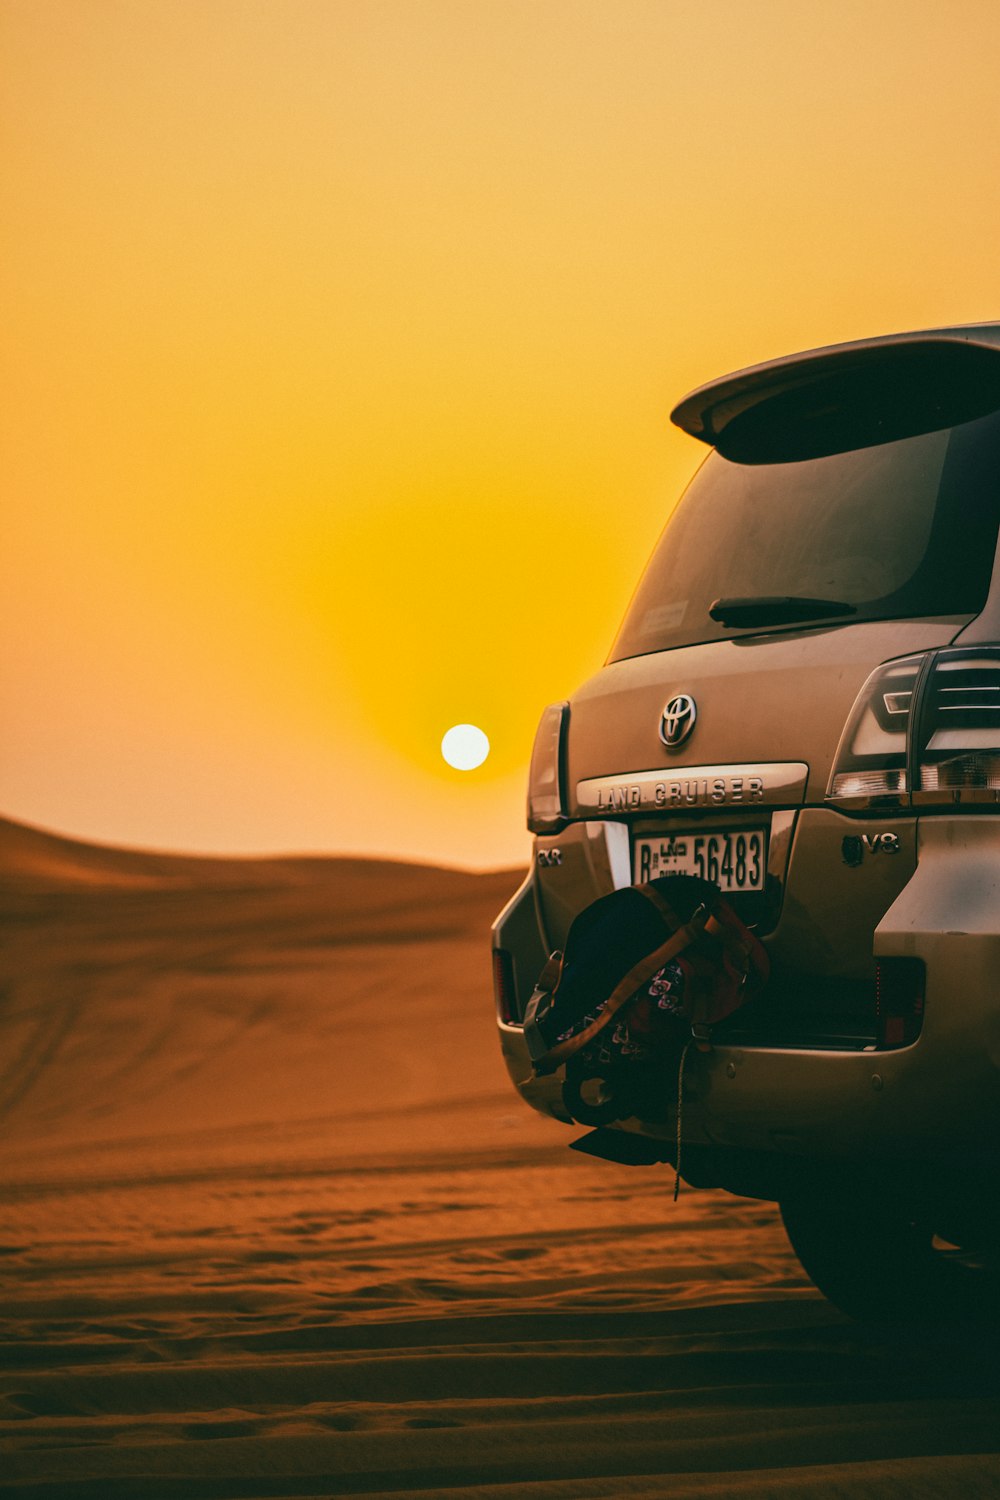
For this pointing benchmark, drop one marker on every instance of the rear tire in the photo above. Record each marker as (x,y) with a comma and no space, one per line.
(877,1260)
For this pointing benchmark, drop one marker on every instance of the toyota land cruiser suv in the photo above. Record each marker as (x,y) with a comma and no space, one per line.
(803,704)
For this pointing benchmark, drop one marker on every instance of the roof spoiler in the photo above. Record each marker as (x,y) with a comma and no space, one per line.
(848,396)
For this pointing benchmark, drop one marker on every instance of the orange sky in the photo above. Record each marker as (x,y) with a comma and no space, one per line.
(339,342)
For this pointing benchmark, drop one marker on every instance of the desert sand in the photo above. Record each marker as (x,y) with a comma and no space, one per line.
(273,1223)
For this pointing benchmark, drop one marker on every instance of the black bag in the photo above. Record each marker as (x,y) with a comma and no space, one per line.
(647,970)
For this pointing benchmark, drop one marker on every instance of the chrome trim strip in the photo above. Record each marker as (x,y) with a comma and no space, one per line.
(770,784)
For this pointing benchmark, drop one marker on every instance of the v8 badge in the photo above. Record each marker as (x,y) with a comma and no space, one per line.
(854,847)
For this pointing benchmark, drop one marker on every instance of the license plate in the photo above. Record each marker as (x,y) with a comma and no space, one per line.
(735,861)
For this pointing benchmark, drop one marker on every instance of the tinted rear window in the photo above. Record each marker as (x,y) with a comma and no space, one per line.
(899,530)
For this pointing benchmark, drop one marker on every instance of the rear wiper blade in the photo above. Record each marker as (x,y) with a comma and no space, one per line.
(776,609)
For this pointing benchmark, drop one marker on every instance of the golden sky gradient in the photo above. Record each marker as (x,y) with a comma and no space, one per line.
(339,338)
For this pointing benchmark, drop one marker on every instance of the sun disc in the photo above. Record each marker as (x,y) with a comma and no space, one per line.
(465,747)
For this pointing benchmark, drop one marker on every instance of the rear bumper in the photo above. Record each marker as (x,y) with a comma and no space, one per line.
(938,1098)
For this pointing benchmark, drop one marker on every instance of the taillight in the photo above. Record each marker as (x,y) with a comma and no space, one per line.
(957,758)
(503,986)
(899,1001)
(870,767)
(924,732)
(546,807)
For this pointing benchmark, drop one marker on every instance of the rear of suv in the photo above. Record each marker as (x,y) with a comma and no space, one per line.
(803,705)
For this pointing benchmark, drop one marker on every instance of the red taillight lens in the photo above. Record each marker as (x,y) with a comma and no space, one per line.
(899,1001)
(870,767)
(503,987)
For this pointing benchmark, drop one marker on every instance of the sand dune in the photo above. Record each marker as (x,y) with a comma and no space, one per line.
(273,1224)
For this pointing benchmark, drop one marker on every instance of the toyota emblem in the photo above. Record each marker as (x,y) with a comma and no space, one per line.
(677,720)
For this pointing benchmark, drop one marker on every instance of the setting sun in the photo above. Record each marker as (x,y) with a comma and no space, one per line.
(465,747)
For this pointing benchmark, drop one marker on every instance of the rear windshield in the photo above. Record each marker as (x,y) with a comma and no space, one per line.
(899,530)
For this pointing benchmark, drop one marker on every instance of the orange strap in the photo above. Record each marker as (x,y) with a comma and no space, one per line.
(736,949)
